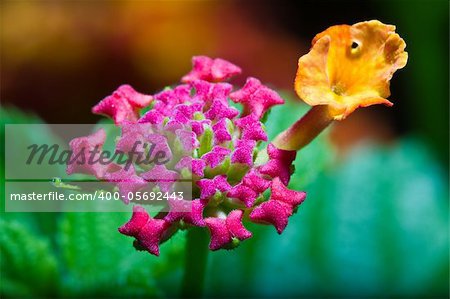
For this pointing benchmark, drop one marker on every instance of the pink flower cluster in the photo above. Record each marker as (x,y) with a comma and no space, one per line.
(228,185)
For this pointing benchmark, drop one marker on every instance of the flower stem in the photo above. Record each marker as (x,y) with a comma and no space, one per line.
(195,263)
(303,131)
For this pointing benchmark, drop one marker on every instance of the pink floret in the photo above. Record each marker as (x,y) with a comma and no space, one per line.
(279,207)
(139,218)
(131,134)
(127,181)
(254,180)
(147,230)
(175,96)
(244,193)
(198,167)
(272,212)
(216,156)
(79,161)
(243,152)
(151,234)
(235,226)
(221,133)
(206,92)
(281,193)
(219,110)
(190,211)
(198,126)
(153,116)
(209,187)
(224,230)
(251,128)
(256,98)
(188,140)
(136,99)
(279,164)
(213,70)
(163,177)
(122,105)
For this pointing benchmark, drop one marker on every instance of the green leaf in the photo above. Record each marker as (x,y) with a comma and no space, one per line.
(98,260)
(375,225)
(396,233)
(43,223)
(27,265)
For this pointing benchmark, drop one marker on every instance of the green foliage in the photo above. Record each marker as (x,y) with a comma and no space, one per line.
(78,254)
(43,223)
(100,261)
(12,115)
(374,223)
(27,264)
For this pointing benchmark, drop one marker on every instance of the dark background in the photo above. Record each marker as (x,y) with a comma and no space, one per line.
(60,58)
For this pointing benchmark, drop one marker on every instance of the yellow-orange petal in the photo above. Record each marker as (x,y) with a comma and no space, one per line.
(350,67)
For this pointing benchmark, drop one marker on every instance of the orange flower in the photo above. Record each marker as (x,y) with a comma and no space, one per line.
(350,67)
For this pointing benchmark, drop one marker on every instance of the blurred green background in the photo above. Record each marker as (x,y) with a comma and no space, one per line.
(375,222)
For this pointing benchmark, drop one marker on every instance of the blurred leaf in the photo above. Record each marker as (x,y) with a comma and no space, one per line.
(94,258)
(11,115)
(391,214)
(375,225)
(27,265)
(43,223)
(98,260)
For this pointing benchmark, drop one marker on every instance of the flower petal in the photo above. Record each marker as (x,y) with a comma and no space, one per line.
(272,212)
(209,187)
(139,218)
(223,231)
(151,233)
(244,193)
(212,70)
(80,161)
(220,236)
(123,104)
(350,67)
(281,193)
(256,98)
(235,226)
(163,177)
(243,152)
(216,156)
(126,180)
(279,164)
(251,128)
(191,211)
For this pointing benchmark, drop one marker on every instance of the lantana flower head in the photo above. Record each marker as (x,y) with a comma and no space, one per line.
(228,186)
(235,175)
(350,67)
